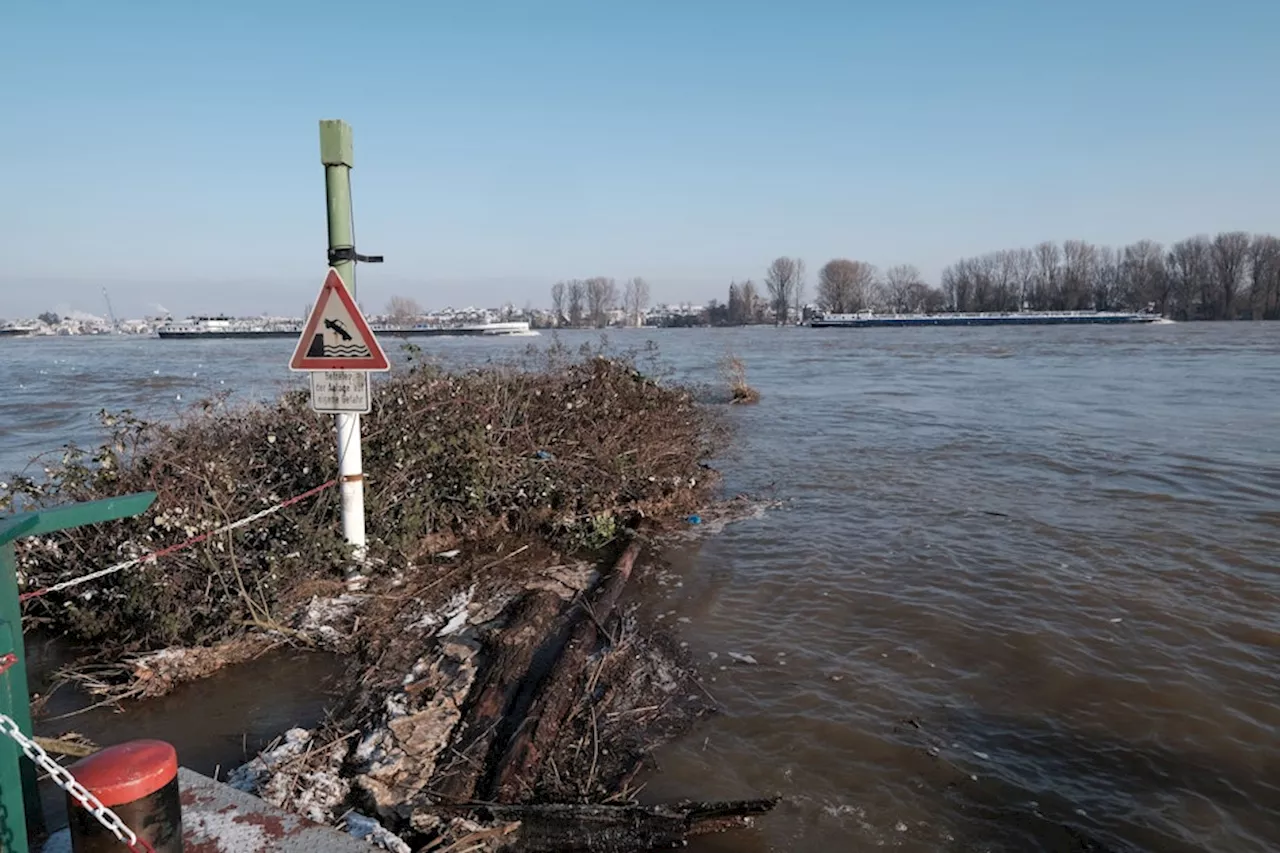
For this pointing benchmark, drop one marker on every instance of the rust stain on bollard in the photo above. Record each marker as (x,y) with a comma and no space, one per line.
(138,781)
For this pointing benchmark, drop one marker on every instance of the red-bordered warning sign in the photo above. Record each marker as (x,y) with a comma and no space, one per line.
(336,336)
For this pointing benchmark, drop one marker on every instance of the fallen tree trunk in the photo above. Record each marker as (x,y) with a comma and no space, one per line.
(493,694)
(586,828)
(513,777)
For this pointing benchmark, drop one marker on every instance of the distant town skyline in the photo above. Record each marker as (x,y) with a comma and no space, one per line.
(169,152)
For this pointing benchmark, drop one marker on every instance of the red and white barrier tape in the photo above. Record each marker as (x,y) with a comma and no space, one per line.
(172,549)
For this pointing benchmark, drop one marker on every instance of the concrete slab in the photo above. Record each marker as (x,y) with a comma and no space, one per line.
(219,819)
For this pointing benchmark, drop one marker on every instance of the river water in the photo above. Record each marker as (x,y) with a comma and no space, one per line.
(1021,592)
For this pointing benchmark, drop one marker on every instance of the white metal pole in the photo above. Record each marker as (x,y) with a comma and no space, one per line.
(351,471)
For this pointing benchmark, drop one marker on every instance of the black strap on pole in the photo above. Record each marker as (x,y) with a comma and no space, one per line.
(338,254)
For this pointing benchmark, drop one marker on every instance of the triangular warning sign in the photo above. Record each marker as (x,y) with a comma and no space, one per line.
(336,336)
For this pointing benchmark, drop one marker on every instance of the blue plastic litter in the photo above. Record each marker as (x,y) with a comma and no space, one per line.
(542,454)
(695,519)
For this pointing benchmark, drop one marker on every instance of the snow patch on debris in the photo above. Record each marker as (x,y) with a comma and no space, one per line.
(451,617)
(303,787)
(395,761)
(368,830)
(329,621)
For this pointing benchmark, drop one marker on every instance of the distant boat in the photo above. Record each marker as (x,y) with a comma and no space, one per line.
(15,331)
(867,319)
(208,328)
(512,329)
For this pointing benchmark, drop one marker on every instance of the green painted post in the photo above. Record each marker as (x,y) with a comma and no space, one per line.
(18,794)
(337,155)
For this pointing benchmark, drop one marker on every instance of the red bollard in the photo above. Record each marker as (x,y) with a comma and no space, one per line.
(138,781)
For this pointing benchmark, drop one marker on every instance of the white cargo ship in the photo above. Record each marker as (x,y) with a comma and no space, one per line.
(867,319)
(206,328)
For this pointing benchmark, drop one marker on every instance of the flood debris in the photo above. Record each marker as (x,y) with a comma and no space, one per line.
(521,730)
(503,693)
(157,673)
(396,759)
(370,831)
(299,773)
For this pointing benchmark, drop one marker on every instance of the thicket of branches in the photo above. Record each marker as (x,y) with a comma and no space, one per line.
(565,450)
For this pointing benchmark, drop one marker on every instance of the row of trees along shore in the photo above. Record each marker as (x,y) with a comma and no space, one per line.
(597,302)
(1231,276)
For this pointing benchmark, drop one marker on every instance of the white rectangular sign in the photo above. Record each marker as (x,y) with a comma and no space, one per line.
(335,391)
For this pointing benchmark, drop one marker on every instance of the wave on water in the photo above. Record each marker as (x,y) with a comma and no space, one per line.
(346,351)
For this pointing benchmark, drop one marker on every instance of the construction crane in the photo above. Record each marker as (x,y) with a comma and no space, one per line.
(115,325)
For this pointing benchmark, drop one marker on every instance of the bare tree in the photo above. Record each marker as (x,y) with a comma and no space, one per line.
(797,296)
(1230,260)
(931,300)
(635,299)
(1106,279)
(577,302)
(844,286)
(1024,271)
(899,287)
(783,280)
(402,310)
(557,301)
(1078,261)
(602,296)
(751,307)
(1006,292)
(1264,269)
(1190,269)
(1144,279)
(1047,275)
(965,286)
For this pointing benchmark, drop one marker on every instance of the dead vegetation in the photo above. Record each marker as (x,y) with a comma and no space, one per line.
(568,451)
(734,370)
(492,661)
(520,717)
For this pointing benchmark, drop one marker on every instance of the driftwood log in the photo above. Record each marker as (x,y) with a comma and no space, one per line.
(601,828)
(541,669)
(555,697)
(495,694)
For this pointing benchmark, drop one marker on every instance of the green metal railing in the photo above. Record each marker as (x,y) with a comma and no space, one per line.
(20,811)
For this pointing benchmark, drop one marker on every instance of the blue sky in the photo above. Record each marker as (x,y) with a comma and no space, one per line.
(169,151)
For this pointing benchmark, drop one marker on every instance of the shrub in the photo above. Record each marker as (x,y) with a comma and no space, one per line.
(568,450)
(735,374)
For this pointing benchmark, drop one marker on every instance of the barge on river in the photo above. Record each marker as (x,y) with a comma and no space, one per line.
(212,328)
(867,319)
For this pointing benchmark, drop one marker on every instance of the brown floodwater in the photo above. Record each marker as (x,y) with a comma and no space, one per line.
(1021,591)
(215,724)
